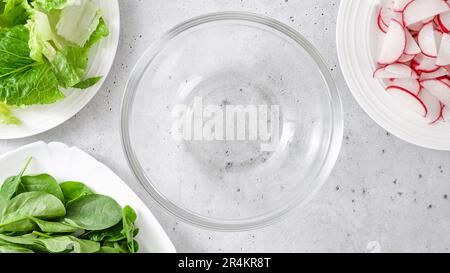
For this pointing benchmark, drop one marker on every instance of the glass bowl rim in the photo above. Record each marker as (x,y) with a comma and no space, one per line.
(259,221)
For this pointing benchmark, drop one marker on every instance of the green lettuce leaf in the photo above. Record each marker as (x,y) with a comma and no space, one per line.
(69,65)
(51,5)
(101,32)
(14,12)
(14,50)
(78,21)
(22,80)
(85,84)
(36,85)
(6,116)
(42,37)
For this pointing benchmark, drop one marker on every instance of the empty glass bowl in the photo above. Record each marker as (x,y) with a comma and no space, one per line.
(231,120)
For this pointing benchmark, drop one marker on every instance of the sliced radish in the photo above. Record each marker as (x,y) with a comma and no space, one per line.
(439,89)
(420,10)
(416,27)
(400,69)
(395,71)
(400,5)
(444,21)
(409,99)
(381,25)
(412,48)
(446,113)
(387,14)
(427,40)
(429,20)
(433,105)
(406,58)
(443,58)
(423,63)
(441,72)
(412,85)
(445,80)
(394,43)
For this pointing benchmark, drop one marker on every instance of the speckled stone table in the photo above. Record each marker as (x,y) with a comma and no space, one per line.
(384,194)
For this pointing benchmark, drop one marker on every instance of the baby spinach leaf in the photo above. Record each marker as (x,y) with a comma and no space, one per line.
(32,204)
(42,182)
(53,227)
(108,249)
(69,244)
(74,190)
(129,216)
(10,248)
(93,212)
(28,239)
(112,234)
(9,188)
(19,226)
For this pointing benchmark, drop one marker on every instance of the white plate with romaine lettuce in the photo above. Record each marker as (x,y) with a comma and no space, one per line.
(54,56)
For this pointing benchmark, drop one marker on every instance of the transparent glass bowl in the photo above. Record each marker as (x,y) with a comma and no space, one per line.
(214,169)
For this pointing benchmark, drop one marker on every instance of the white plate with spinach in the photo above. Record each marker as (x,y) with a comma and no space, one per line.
(55,57)
(109,194)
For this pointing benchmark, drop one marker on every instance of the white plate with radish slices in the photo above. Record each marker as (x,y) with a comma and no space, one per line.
(395,57)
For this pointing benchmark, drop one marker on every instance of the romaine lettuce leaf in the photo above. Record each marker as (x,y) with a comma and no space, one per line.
(87,83)
(51,5)
(6,116)
(78,22)
(42,37)
(69,65)
(22,80)
(15,12)
(15,54)
(35,85)
(101,32)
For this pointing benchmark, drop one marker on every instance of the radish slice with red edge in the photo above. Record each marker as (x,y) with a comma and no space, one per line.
(441,72)
(395,71)
(412,85)
(394,43)
(409,99)
(400,5)
(444,21)
(420,10)
(412,48)
(423,63)
(406,58)
(427,40)
(433,105)
(439,89)
(443,58)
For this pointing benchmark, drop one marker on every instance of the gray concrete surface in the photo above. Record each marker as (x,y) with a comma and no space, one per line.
(382,190)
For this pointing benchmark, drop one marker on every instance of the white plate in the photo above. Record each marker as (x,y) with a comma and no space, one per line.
(357,45)
(38,119)
(72,164)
